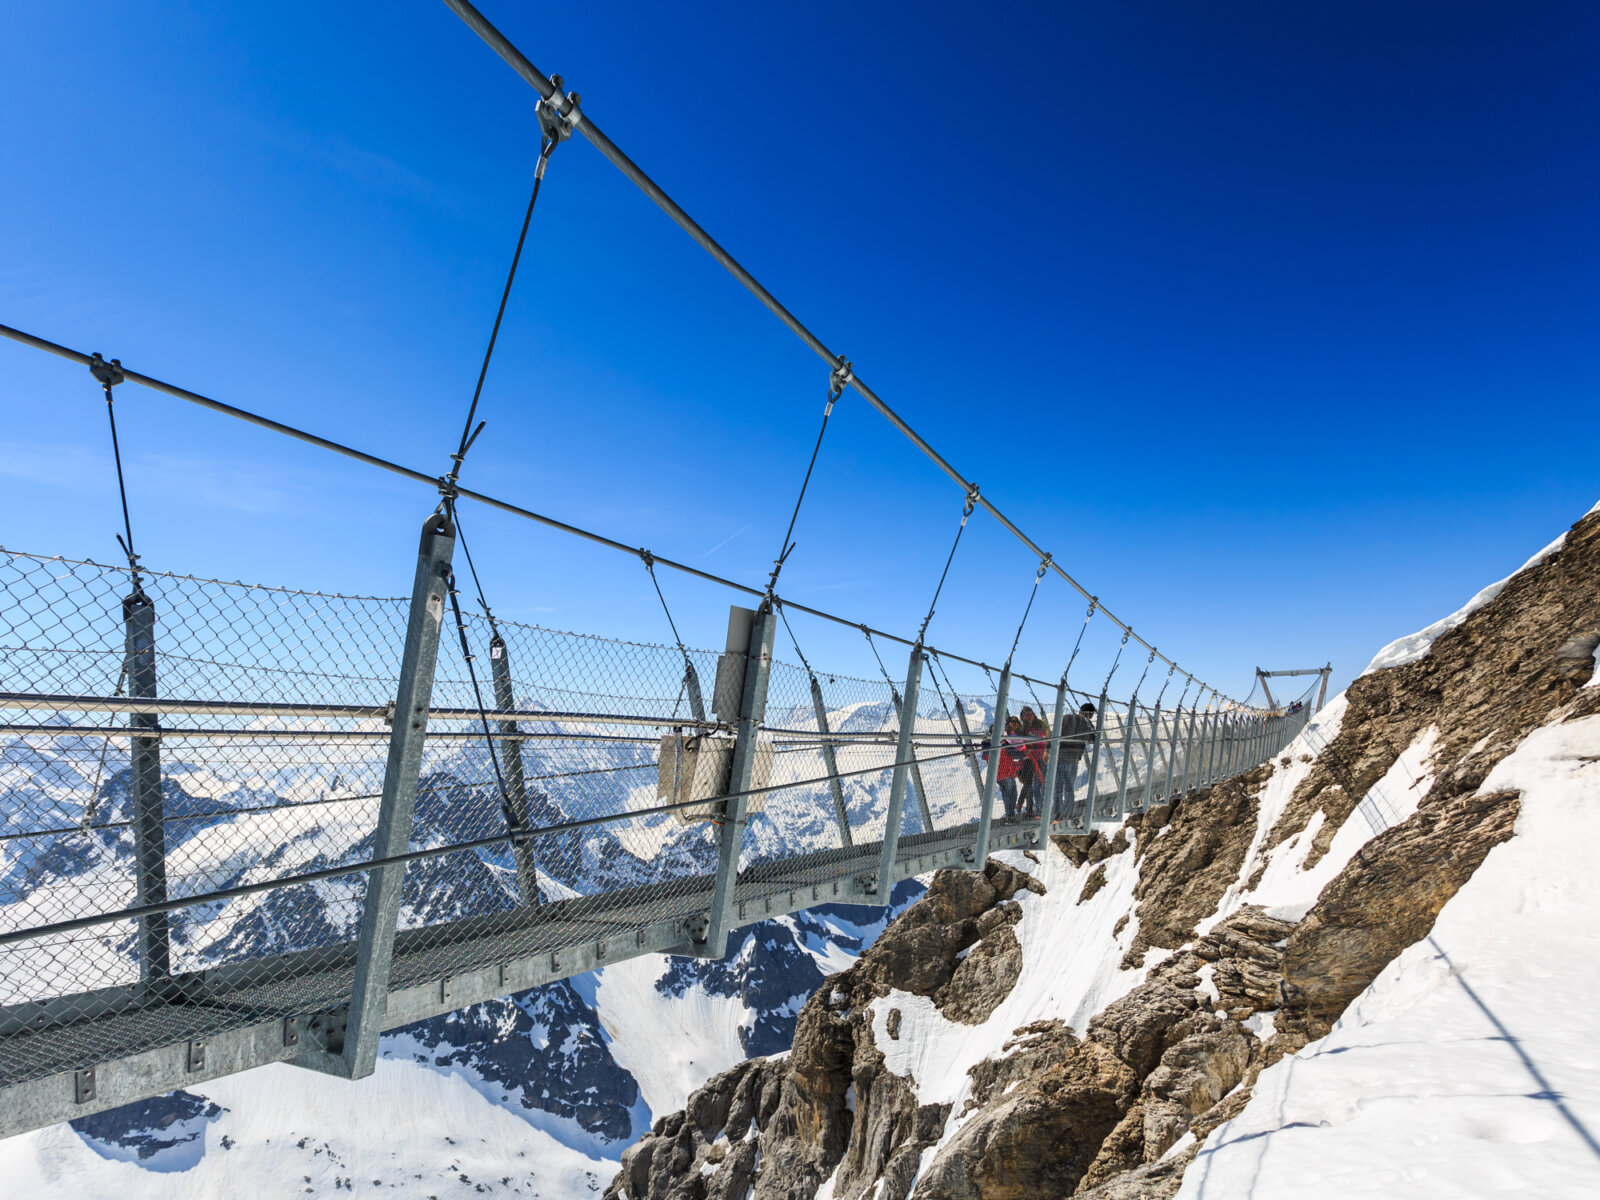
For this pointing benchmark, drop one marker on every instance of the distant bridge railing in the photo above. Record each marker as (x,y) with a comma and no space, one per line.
(244,824)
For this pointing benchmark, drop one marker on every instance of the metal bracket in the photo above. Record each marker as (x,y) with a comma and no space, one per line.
(841,377)
(197,1055)
(446,990)
(108,373)
(698,926)
(293,1027)
(83,1085)
(558,115)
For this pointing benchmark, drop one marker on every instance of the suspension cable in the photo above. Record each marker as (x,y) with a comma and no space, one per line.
(520,834)
(1094,603)
(109,374)
(1116,662)
(1164,684)
(468,434)
(691,679)
(966,512)
(893,690)
(1135,697)
(838,380)
(1044,565)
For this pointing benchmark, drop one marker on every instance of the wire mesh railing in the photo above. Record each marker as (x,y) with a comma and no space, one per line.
(192,773)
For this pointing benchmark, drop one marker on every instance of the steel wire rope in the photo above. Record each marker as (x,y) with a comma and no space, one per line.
(838,379)
(549,89)
(966,513)
(109,374)
(691,678)
(11,936)
(505,506)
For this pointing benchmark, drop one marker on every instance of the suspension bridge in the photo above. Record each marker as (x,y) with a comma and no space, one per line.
(243,824)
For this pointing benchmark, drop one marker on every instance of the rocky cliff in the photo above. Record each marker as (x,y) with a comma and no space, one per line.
(1078,1021)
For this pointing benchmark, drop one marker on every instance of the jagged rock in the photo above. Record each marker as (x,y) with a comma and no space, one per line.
(1484,685)
(1388,898)
(1042,1126)
(1183,873)
(1193,1076)
(983,979)
(1091,885)
(1155,1181)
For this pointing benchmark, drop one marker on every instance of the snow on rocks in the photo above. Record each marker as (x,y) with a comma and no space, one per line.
(1471,1065)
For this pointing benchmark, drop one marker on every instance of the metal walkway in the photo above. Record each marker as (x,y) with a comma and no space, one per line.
(212,857)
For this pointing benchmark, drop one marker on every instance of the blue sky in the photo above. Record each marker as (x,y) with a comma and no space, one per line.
(1276,324)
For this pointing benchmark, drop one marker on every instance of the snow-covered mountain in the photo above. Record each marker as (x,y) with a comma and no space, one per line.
(1365,969)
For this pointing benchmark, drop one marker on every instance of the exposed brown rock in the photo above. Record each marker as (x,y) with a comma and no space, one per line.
(1042,1114)
(1499,674)
(1183,873)
(1091,885)
(1388,898)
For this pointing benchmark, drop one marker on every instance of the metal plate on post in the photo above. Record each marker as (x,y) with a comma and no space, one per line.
(83,1085)
(197,1055)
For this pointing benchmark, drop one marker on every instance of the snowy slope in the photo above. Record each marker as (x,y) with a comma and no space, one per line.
(1471,1066)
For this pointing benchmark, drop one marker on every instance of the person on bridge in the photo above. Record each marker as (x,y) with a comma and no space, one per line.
(1006,774)
(1036,749)
(1076,734)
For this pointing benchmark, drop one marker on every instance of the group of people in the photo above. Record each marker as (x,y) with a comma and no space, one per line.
(1025,754)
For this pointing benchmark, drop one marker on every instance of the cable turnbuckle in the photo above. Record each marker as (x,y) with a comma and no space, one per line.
(108,373)
(558,114)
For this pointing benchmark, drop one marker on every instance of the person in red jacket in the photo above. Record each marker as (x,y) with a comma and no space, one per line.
(1010,760)
(1037,732)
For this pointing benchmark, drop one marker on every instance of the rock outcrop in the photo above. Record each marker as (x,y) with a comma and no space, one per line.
(1117,1108)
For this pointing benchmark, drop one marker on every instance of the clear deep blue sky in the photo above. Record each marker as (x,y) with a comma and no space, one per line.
(1276,324)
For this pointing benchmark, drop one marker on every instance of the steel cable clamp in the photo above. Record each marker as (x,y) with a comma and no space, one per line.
(558,115)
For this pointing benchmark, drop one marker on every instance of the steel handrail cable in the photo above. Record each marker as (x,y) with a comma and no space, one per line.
(9,937)
(516,510)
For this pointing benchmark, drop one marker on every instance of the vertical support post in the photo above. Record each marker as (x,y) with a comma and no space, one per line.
(730,831)
(966,738)
(1172,751)
(840,813)
(1092,790)
(903,752)
(1047,805)
(412,699)
(1322,692)
(916,767)
(991,776)
(1191,749)
(1151,759)
(1127,757)
(1214,755)
(511,763)
(144,781)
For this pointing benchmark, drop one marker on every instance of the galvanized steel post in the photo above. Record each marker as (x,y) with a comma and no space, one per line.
(511,763)
(144,784)
(840,813)
(413,697)
(1091,791)
(1129,722)
(997,736)
(904,750)
(966,740)
(1152,757)
(1172,751)
(1047,804)
(730,830)
(917,785)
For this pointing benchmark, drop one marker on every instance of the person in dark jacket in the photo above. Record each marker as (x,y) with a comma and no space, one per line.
(1076,734)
